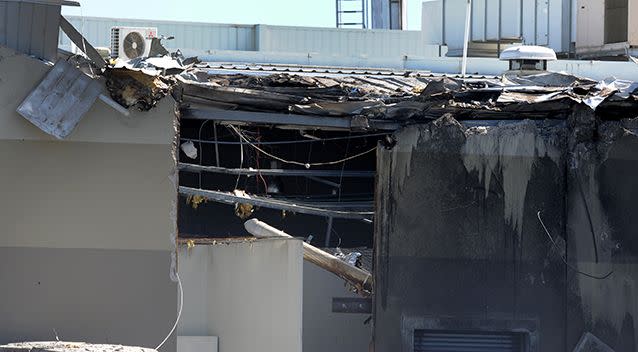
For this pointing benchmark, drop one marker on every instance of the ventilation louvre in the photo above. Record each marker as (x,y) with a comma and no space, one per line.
(467,341)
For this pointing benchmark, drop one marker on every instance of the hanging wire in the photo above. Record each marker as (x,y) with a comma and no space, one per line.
(201,152)
(563,257)
(343,167)
(259,168)
(179,312)
(289,142)
(306,165)
(241,158)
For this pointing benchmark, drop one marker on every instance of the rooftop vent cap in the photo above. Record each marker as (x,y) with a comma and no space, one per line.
(528,57)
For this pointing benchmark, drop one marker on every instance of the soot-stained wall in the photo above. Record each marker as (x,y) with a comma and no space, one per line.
(459,237)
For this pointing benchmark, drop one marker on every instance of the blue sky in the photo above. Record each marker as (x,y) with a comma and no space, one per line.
(316,13)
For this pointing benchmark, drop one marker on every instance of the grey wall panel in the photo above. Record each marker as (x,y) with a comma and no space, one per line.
(478,19)
(529,31)
(3,23)
(51,30)
(324,330)
(38,30)
(249,294)
(30,28)
(492,19)
(202,38)
(190,37)
(25,21)
(100,296)
(13,24)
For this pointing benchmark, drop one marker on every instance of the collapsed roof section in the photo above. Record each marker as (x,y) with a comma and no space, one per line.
(386,100)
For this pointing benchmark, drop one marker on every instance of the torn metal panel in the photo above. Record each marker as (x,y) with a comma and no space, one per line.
(60,101)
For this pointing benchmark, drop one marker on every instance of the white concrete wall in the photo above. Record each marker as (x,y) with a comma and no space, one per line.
(248,294)
(85,224)
(632,25)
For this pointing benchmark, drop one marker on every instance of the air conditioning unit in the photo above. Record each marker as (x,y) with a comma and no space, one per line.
(131,42)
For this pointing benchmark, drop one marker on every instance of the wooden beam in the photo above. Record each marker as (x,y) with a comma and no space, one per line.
(359,278)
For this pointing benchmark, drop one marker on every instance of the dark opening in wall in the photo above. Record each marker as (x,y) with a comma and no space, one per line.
(343,181)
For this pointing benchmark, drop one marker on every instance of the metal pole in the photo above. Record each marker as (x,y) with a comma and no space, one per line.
(468,15)
(571,28)
(328,232)
(500,20)
(363,14)
(443,5)
(535,22)
(520,29)
(500,27)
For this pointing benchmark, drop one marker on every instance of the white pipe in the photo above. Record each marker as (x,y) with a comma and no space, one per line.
(468,14)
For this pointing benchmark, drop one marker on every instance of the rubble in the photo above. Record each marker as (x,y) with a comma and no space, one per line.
(64,346)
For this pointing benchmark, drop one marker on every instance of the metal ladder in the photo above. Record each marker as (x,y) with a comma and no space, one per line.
(352,13)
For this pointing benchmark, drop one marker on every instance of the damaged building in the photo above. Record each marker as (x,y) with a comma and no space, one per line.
(236,206)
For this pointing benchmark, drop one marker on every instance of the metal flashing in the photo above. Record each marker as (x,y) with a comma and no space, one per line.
(60,101)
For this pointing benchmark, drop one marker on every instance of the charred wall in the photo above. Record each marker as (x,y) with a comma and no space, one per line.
(460,240)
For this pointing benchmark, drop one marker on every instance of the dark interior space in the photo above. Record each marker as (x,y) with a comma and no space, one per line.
(344,183)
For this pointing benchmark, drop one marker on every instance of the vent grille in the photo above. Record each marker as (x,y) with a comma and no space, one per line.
(115,42)
(442,341)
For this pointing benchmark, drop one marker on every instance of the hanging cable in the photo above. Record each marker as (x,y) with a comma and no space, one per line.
(201,152)
(343,167)
(179,312)
(306,165)
(241,158)
(563,257)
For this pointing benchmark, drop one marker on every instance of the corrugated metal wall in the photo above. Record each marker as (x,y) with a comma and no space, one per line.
(30,28)
(190,37)
(537,22)
(347,42)
(200,38)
